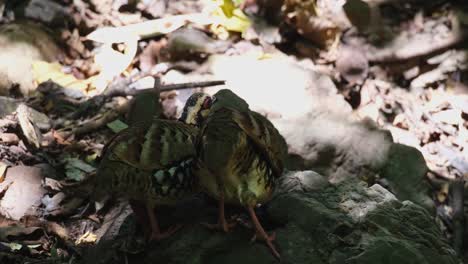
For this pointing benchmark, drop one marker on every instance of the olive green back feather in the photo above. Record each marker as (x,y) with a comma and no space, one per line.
(225,98)
(153,145)
(222,131)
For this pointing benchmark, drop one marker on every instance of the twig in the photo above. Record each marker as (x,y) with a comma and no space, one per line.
(180,86)
(100,122)
(114,114)
(168,87)
(96,123)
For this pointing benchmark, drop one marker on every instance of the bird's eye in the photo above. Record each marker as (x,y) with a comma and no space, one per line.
(206,103)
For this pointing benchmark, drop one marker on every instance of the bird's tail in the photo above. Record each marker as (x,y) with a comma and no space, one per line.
(84,189)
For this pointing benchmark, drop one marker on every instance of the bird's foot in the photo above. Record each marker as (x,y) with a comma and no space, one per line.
(259,237)
(157,236)
(268,239)
(224,226)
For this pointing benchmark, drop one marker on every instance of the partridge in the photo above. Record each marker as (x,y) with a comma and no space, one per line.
(151,162)
(239,157)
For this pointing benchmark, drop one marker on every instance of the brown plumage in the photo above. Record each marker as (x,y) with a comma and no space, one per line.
(149,162)
(240,155)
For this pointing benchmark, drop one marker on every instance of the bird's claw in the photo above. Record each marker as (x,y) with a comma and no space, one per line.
(268,240)
(259,237)
(223,226)
(157,236)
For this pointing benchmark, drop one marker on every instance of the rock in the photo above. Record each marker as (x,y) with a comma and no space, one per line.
(317,222)
(342,149)
(335,146)
(23,43)
(405,170)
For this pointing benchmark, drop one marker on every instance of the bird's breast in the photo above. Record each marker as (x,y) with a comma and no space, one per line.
(246,172)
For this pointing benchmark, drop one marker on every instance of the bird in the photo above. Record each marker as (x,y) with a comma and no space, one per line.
(239,158)
(150,162)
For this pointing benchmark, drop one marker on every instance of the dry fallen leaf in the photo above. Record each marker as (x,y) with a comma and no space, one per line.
(55,228)
(30,130)
(352,64)
(147,29)
(86,238)
(451,117)
(3,168)
(8,233)
(9,138)
(112,63)
(24,192)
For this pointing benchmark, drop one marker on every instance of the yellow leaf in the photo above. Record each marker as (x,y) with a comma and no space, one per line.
(44,71)
(228,8)
(231,17)
(88,237)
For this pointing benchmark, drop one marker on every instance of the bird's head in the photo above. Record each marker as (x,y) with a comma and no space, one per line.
(196,108)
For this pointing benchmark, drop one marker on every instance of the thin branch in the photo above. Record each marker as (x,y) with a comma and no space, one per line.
(177,86)
(97,123)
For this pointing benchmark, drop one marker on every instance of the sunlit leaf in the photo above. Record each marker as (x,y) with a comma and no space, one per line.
(75,174)
(34,246)
(77,163)
(91,158)
(88,237)
(13,246)
(116,126)
(44,71)
(231,17)
(76,169)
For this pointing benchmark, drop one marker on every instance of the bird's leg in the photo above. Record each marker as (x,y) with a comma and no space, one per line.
(156,233)
(261,234)
(222,217)
(222,223)
(139,209)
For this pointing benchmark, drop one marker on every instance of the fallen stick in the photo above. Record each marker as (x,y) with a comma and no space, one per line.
(97,123)
(162,88)
(115,113)
(180,86)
